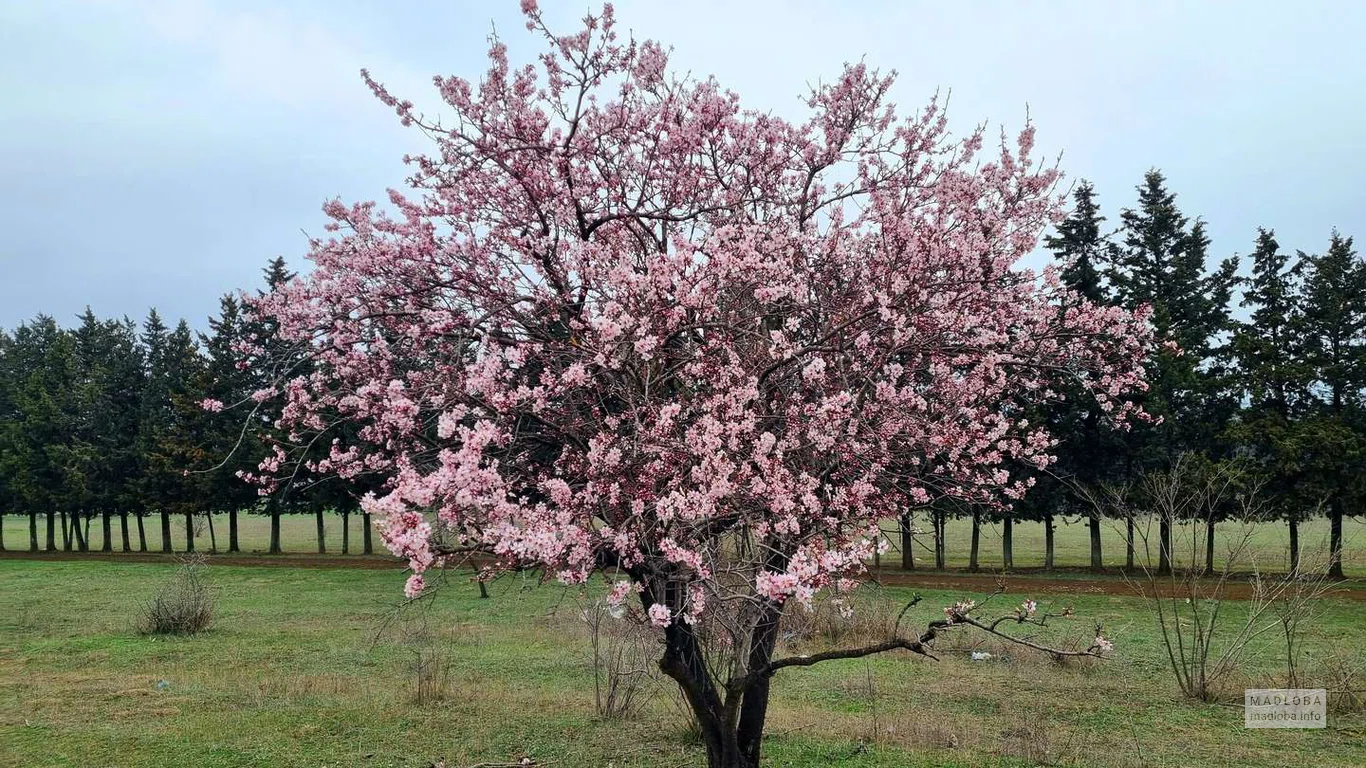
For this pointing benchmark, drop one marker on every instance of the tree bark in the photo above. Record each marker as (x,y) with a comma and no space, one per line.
(51,531)
(84,539)
(1335,538)
(483,590)
(274,527)
(346,531)
(1164,545)
(1008,543)
(123,529)
(66,532)
(366,548)
(939,519)
(2,531)
(232,530)
(166,532)
(142,534)
(1094,524)
(1129,543)
(974,550)
(1048,530)
(107,525)
(322,537)
(32,531)
(189,531)
(1294,524)
(1209,545)
(907,542)
(213,537)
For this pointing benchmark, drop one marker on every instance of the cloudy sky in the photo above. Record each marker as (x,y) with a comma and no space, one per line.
(158,152)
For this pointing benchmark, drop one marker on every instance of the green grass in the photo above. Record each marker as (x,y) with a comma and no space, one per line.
(1269,546)
(313,667)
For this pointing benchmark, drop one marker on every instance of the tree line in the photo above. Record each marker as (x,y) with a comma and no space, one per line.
(107,421)
(1263,366)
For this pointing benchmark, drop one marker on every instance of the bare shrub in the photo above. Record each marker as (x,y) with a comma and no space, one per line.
(1343,675)
(183,606)
(622,651)
(865,615)
(431,670)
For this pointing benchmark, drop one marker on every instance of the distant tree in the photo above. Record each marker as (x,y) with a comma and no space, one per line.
(1269,350)
(231,445)
(39,437)
(1333,325)
(154,420)
(1161,262)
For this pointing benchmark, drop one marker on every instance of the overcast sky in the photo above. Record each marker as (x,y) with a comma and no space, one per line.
(158,153)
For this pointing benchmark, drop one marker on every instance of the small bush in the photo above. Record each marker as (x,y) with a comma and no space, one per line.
(184,606)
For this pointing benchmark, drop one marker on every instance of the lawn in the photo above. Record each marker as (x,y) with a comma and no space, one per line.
(315,667)
(1269,546)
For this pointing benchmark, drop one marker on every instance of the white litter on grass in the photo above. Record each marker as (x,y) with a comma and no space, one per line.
(980,655)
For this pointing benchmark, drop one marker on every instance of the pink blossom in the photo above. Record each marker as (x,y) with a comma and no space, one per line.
(414,586)
(660,615)
(211,405)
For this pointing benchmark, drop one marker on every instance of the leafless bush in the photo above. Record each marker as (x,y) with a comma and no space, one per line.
(1343,675)
(1204,650)
(431,660)
(183,606)
(865,615)
(622,651)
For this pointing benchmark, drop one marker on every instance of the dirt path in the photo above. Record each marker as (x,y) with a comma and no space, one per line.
(1021,582)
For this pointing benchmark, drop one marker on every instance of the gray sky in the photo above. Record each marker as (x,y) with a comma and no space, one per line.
(158,152)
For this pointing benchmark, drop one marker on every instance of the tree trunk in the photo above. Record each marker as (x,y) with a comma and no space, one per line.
(483,590)
(1008,543)
(1094,524)
(907,543)
(213,537)
(2,531)
(66,532)
(322,537)
(1209,545)
(166,532)
(1048,530)
(974,550)
(274,527)
(1164,545)
(123,529)
(189,531)
(51,531)
(366,549)
(32,531)
(1129,543)
(346,531)
(1335,538)
(142,534)
(940,518)
(232,530)
(107,525)
(1294,524)
(84,540)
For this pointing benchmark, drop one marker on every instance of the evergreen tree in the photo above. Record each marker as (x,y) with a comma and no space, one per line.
(1333,324)
(1162,262)
(229,447)
(154,421)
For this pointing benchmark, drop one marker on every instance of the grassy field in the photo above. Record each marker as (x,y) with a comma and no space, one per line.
(1269,547)
(315,667)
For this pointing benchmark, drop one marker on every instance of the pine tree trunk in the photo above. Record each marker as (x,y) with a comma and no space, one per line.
(274,528)
(1335,538)
(84,540)
(1294,545)
(907,542)
(1048,531)
(232,530)
(142,534)
(346,531)
(974,561)
(940,518)
(1129,543)
(1008,543)
(1164,545)
(213,537)
(32,531)
(366,549)
(1209,545)
(51,531)
(189,531)
(2,531)
(66,532)
(106,523)
(322,539)
(1094,524)
(166,532)
(123,529)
